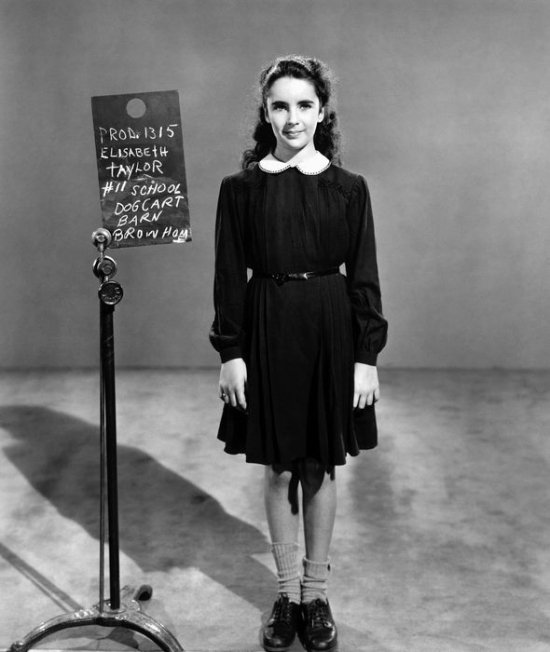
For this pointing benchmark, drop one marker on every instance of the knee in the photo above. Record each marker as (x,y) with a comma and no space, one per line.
(313,475)
(278,479)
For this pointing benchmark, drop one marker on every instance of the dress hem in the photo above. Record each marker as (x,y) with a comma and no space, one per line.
(249,459)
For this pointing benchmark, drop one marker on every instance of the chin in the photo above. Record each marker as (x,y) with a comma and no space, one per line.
(296,146)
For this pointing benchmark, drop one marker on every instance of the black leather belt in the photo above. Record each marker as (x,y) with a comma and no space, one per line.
(283,277)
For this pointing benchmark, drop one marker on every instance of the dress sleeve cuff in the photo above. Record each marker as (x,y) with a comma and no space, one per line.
(366,358)
(231,353)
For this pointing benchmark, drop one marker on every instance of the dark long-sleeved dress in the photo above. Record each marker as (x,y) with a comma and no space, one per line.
(299,339)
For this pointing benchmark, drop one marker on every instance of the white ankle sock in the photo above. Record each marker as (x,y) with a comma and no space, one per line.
(288,574)
(315,580)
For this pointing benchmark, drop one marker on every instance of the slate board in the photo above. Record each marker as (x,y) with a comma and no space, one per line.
(141,168)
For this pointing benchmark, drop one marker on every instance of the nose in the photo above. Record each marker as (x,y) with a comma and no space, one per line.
(292,118)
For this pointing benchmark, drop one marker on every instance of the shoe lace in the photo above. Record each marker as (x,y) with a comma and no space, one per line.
(318,614)
(282,611)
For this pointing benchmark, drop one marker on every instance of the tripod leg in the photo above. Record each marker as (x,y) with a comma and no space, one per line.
(66,621)
(127,618)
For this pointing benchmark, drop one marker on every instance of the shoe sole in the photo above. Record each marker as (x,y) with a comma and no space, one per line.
(333,648)
(269,648)
(277,649)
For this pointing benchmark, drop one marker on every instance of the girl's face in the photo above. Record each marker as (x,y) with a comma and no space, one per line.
(294,111)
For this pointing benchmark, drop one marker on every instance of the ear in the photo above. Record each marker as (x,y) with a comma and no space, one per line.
(321,114)
(266,116)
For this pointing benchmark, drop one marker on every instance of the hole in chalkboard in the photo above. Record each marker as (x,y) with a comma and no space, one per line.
(136,108)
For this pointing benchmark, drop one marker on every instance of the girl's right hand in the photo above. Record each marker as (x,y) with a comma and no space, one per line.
(233,383)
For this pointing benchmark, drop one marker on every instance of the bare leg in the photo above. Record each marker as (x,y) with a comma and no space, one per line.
(319,506)
(281,505)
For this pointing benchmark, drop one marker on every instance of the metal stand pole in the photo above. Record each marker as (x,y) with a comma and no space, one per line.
(116,613)
(108,395)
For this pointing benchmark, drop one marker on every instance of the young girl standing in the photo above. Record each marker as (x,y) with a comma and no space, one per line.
(298,341)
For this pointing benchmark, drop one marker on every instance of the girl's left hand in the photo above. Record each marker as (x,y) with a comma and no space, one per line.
(366,387)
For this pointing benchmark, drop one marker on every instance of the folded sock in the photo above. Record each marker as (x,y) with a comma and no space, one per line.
(315,580)
(288,574)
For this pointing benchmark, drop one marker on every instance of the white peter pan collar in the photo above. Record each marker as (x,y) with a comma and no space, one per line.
(314,164)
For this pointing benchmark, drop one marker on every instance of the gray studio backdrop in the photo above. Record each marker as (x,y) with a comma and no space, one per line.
(444,106)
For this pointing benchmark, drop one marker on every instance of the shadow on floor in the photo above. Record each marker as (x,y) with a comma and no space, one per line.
(165,521)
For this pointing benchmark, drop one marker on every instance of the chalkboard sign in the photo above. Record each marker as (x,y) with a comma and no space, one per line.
(141,168)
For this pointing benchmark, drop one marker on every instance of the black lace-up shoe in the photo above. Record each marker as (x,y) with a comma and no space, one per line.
(280,630)
(319,631)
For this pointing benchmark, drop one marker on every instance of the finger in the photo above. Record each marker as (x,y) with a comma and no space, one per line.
(241,398)
(376,395)
(355,400)
(233,399)
(362,401)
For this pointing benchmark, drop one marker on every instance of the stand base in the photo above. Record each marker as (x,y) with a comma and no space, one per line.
(128,616)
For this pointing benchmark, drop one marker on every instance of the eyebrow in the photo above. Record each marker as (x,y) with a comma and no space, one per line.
(283,103)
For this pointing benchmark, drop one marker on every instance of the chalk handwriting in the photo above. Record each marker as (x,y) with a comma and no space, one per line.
(149,133)
(141,169)
(175,234)
(133,190)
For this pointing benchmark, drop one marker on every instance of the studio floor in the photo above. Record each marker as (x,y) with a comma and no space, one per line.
(442,539)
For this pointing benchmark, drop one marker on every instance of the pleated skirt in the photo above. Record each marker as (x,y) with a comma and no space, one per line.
(300,371)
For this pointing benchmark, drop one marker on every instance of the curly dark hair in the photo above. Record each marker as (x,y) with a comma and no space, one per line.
(327,135)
